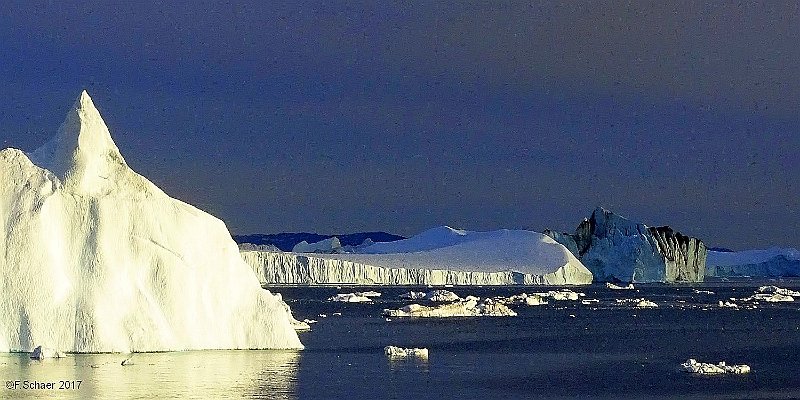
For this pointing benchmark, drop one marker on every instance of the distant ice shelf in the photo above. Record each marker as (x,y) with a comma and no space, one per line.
(767,263)
(440,256)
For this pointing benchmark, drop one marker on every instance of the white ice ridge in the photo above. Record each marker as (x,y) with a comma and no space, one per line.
(440,256)
(96,258)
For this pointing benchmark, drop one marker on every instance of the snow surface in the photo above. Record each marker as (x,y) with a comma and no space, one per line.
(438,256)
(96,258)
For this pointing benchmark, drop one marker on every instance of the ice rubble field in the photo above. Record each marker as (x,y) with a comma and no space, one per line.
(96,258)
(438,256)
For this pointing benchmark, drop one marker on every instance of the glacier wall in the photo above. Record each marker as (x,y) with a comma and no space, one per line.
(615,248)
(96,258)
(291,268)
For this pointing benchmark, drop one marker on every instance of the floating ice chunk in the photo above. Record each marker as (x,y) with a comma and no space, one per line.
(369,293)
(562,295)
(644,303)
(589,301)
(399,352)
(350,298)
(518,299)
(777,290)
(693,366)
(727,304)
(40,353)
(617,287)
(461,308)
(769,298)
(441,296)
(702,291)
(412,295)
(310,321)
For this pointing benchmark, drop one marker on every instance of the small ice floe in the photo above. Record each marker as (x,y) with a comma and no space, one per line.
(399,352)
(310,321)
(727,304)
(369,293)
(337,314)
(769,298)
(350,298)
(589,301)
(562,295)
(412,295)
(693,366)
(462,308)
(638,303)
(40,353)
(441,296)
(323,315)
(696,291)
(617,287)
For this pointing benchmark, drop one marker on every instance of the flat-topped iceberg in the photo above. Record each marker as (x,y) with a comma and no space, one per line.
(440,256)
(96,258)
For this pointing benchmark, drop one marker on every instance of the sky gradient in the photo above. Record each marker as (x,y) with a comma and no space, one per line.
(343,118)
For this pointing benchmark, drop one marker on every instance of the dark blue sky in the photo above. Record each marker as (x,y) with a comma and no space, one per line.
(339,118)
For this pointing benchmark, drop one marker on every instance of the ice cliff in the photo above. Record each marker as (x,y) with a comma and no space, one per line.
(96,258)
(615,248)
(768,263)
(440,256)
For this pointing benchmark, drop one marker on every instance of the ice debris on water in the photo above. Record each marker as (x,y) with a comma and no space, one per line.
(638,303)
(399,352)
(693,366)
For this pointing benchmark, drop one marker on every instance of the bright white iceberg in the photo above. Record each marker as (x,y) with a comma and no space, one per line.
(440,256)
(96,258)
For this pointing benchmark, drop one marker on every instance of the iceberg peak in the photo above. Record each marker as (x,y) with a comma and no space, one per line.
(82,155)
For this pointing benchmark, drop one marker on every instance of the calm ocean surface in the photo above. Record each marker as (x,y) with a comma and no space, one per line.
(561,350)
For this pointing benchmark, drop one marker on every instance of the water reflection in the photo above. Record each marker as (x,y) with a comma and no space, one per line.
(180,375)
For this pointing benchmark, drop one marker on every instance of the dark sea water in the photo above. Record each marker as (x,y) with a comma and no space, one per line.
(561,350)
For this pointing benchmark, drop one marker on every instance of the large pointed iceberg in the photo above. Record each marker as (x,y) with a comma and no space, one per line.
(439,256)
(96,258)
